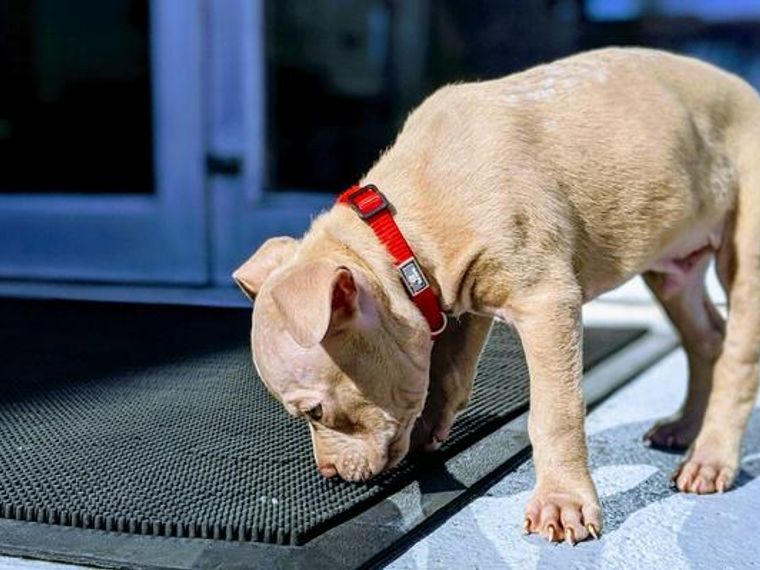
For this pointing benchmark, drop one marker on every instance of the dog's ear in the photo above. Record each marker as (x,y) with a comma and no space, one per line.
(321,298)
(252,274)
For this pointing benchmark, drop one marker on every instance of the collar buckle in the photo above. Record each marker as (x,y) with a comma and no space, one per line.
(361,208)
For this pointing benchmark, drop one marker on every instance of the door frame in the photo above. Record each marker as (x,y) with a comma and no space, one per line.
(157,238)
(243,212)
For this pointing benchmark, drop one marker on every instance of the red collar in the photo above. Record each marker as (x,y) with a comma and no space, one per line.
(372,207)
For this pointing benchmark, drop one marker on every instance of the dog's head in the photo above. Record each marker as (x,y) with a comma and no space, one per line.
(327,345)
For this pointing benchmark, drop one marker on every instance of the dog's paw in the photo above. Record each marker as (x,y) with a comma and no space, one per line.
(673,434)
(353,466)
(427,436)
(559,517)
(702,474)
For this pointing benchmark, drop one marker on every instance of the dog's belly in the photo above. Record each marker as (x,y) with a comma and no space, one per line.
(676,262)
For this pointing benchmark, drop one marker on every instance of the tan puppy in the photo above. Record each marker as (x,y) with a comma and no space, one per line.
(523,198)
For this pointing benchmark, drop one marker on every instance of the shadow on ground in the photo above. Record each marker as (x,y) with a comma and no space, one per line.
(647,523)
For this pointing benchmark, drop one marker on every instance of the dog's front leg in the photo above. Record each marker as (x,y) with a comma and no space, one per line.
(452,370)
(564,505)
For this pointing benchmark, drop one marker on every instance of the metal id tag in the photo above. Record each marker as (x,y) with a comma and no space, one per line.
(412,276)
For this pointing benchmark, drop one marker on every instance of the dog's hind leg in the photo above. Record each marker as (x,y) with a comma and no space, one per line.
(701,328)
(712,461)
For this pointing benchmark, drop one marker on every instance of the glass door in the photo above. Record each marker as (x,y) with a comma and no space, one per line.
(303,96)
(102,175)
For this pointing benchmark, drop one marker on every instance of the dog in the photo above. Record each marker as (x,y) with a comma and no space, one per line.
(522,198)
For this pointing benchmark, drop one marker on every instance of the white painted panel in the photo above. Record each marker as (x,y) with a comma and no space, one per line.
(243,213)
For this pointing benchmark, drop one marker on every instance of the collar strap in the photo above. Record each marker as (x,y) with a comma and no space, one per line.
(372,207)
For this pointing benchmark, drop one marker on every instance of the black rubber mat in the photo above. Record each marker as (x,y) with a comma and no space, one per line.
(150,420)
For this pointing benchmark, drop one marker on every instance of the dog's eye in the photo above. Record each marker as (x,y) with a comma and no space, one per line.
(315,413)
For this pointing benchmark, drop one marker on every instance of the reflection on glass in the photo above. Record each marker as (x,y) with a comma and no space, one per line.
(342,76)
(75,104)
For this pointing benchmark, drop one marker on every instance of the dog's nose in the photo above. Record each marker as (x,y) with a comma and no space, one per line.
(328,470)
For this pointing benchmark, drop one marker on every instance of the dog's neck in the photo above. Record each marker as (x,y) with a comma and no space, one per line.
(343,233)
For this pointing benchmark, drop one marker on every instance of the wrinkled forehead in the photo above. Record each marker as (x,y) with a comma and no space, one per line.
(289,370)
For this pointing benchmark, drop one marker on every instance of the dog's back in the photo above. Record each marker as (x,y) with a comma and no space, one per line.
(614,133)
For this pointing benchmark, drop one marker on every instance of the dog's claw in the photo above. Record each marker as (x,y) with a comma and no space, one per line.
(526,526)
(550,533)
(569,536)
(592,531)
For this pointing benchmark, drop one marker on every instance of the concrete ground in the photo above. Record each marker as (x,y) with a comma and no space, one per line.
(647,525)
